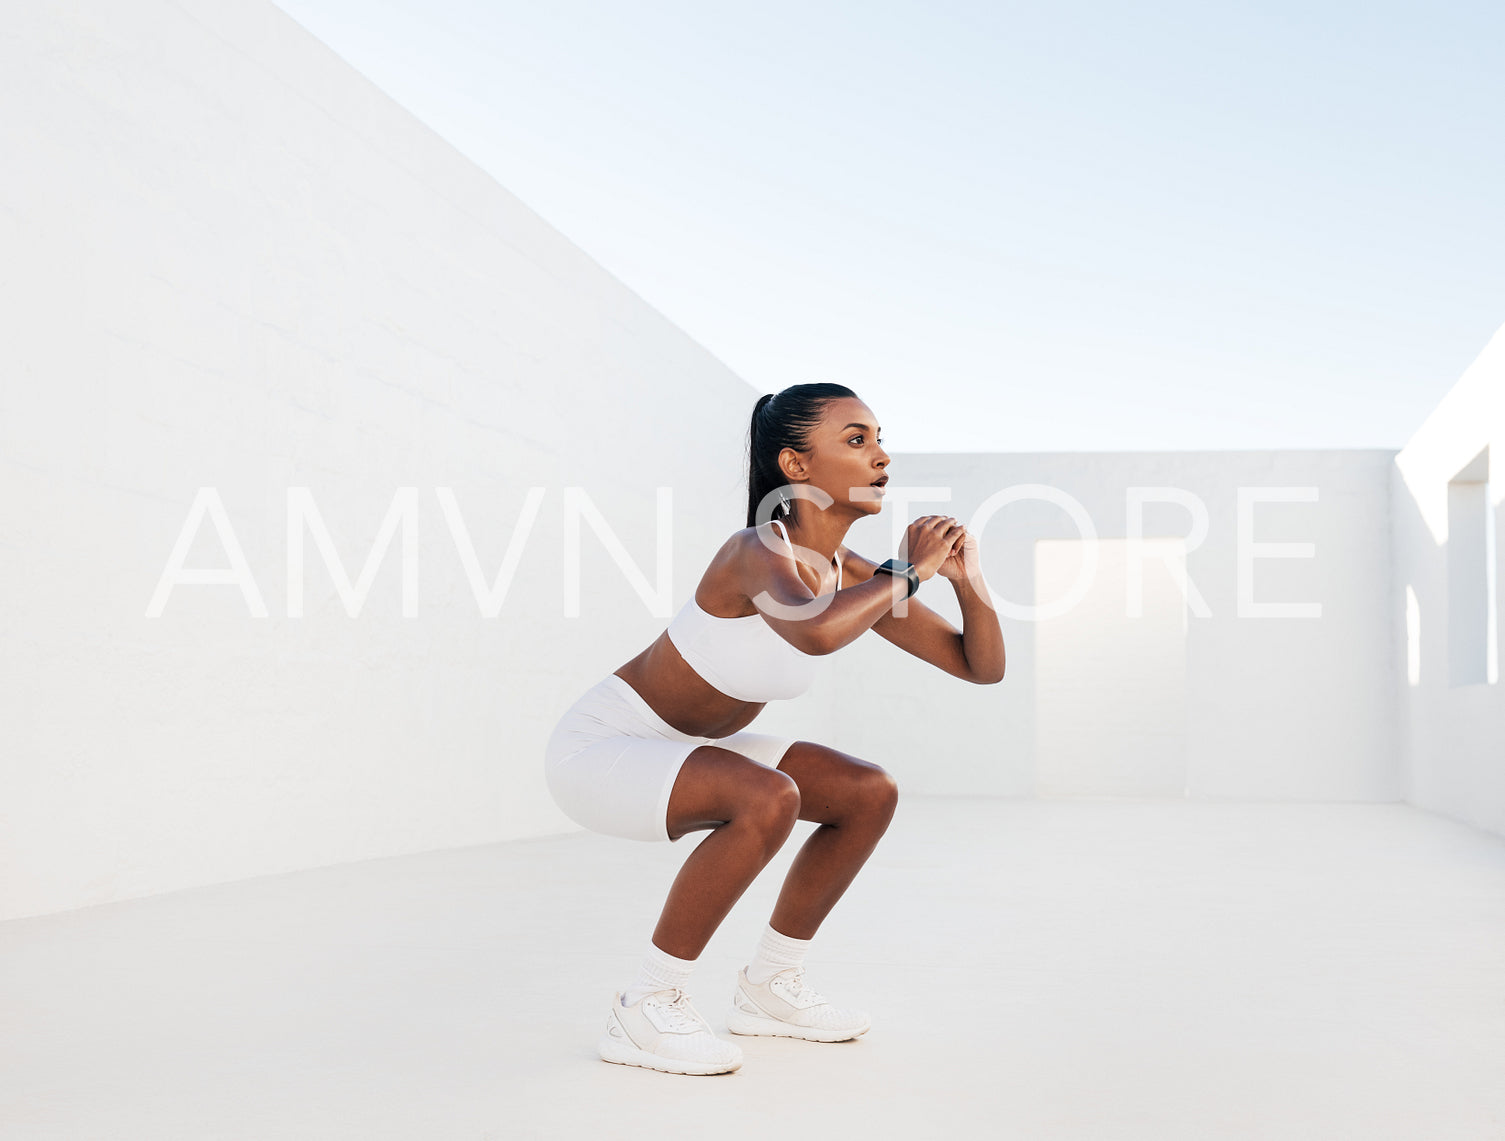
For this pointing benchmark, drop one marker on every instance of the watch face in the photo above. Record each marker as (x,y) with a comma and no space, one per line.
(901,570)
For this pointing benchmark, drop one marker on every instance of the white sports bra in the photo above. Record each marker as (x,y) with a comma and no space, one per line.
(743,657)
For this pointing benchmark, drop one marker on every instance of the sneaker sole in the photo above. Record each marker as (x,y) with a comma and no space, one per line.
(740,1022)
(625,1054)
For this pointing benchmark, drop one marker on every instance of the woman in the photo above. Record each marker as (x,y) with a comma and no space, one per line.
(658,748)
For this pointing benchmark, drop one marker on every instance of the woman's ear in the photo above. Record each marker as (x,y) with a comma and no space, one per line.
(791,465)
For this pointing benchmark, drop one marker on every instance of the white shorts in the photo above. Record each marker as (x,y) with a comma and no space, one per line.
(611,761)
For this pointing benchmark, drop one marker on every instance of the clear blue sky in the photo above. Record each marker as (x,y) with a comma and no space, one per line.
(1044,227)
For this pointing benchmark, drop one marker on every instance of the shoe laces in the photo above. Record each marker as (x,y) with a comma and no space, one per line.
(795,980)
(680,1015)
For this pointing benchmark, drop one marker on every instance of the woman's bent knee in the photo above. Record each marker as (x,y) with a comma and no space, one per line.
(773,807)
(730,789)
(768,811)
(784,802)
(878,794)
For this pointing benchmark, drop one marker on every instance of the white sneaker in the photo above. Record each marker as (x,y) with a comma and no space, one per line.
(788,1007)
(662,1031)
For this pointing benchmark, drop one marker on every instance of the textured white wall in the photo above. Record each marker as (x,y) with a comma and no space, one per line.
(1453,734)
(231,262)
(1275,708)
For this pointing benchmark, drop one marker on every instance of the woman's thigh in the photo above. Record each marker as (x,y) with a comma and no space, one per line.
(716,785)
(835,786)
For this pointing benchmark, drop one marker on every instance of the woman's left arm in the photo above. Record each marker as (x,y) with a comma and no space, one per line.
(974,653)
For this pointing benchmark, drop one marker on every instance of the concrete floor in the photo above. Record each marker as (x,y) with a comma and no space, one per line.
(1039,970)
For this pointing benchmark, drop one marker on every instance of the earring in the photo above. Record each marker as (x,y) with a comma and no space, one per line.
(785,502)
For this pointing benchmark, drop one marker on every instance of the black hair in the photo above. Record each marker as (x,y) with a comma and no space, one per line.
(779,421)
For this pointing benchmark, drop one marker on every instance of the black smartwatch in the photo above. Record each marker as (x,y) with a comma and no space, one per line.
(900,570)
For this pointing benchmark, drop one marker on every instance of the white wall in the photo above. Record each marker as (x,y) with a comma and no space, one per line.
(1274,708)
(1453,725)
(232,262)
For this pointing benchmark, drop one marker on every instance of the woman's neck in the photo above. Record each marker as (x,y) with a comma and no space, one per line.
(822,535)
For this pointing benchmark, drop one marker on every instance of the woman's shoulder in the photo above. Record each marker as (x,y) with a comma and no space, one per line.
(742,560)
(747,544)
(768,541)
(723,590)
(764,536)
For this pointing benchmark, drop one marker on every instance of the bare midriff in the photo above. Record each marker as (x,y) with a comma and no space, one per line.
(681,696)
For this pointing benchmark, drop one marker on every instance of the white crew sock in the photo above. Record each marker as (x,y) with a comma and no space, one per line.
(660,971)
(776,952)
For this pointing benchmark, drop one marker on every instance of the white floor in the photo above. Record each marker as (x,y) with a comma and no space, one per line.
(1039,970)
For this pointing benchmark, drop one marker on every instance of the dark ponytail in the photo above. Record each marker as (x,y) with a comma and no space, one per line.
(782,421)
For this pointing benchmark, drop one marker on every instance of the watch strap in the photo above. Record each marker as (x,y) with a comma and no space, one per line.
(900,569)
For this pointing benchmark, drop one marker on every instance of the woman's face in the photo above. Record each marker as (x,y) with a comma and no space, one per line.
(845,456)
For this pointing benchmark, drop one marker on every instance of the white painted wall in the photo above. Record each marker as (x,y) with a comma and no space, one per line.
(1110,688)
(232,262)
(1453,726)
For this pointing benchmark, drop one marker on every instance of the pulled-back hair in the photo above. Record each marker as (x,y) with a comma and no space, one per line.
(779,421)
